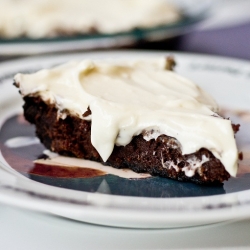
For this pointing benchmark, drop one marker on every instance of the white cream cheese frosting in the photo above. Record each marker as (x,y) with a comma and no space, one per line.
(46,18)
(129,97)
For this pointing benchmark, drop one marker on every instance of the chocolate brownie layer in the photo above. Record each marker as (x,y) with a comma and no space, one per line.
(161,157)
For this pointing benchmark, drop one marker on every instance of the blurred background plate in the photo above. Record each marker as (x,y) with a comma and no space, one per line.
(194,11)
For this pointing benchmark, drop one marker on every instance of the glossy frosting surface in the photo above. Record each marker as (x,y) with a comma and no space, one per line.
(129,97)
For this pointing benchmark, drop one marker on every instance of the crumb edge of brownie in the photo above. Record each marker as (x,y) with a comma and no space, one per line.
(71,137)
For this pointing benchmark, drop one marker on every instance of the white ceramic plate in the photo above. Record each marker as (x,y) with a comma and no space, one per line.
(171,203)
(194,12)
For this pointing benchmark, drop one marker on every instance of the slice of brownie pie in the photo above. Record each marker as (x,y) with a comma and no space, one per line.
(135,114)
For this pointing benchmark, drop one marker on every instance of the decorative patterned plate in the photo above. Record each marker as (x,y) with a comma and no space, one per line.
(89,192)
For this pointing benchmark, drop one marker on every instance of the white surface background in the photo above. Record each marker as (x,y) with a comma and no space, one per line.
(23,230)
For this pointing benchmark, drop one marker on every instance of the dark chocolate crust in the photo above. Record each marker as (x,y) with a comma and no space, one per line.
(71,137)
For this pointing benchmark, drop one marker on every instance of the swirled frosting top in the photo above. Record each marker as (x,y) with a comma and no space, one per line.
(46,18)
(129,97)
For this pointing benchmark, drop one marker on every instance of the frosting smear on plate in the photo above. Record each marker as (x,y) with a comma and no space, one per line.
(127,98)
